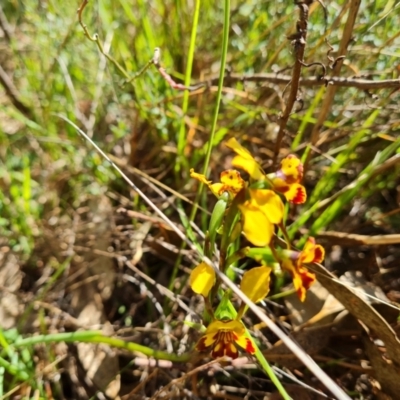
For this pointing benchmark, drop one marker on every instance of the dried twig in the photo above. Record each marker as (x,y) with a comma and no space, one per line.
(5,26)
(129,79)
(161,70)
(13,94)
(354,82)
(337,65)
(352,239)
(299,44)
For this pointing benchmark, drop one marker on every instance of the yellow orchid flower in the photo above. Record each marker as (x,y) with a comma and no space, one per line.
(293,262)
(263,209)
(231,182)
(223,337)
(286,180)
(202,279)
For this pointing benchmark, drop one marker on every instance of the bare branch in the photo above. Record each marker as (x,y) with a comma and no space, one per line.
(163,72)
(355,82)
(5,26)
(299,44)
(129,79)
(331,90)
(95,38)
(352,239)
(12,93)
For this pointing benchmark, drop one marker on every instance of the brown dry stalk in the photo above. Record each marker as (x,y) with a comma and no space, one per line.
(354,82)
(299,44)
(5,26)
(13,94)
(331,90)
(181,379)
(352,239)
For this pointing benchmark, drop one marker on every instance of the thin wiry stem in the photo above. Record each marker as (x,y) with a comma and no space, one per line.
(13,94)
(328,80)
(224,52)
(331,90)
(188,75)
(129,78)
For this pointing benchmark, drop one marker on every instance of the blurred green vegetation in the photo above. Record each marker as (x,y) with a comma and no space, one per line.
(58,71)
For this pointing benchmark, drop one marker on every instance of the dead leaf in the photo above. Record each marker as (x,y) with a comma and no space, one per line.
(302,313)
(319,307)
(361,310)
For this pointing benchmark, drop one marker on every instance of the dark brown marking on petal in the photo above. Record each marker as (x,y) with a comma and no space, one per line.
(201,344)
(218,350)
(231,350)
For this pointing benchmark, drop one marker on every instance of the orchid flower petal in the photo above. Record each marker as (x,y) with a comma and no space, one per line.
(202,279)
(255,283)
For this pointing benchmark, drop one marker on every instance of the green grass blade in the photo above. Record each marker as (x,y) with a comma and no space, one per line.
(261,359)
(224,52)
(188,75)
(329,180)
(353,190)
(307,118)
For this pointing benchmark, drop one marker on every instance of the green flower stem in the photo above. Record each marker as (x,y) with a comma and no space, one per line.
(282,294)
(98,337)
(209,308)
(188,75)
(285,235)
(224,53)
(260,356)
(271,373)
(236,256)
(182,138)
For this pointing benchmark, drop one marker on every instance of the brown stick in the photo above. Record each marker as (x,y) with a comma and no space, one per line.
(299,44)
(5,26)
(13,94)
(358,83)
(331,90)
(353,239)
